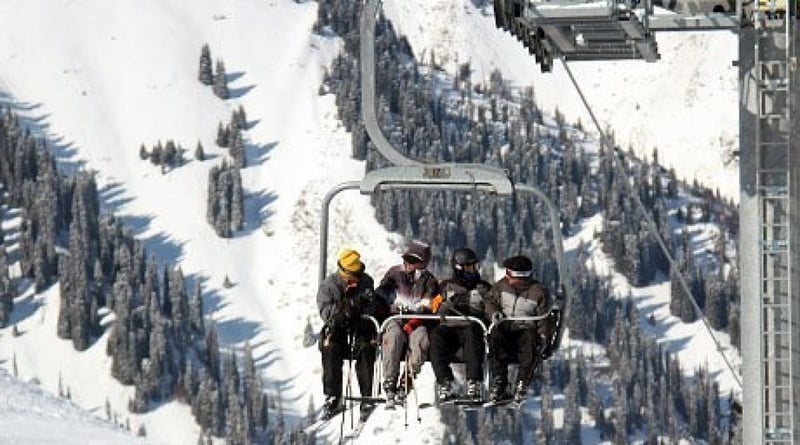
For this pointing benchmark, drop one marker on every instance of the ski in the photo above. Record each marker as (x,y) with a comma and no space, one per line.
(504,403)
(463,402)
(319,423)
(353,435)
(366,399)
(359,427)
(390,406)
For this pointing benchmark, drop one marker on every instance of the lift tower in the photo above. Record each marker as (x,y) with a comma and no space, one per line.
(768,158)
(768,243)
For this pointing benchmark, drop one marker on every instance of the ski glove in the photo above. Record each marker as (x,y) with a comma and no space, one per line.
(412,324)
(445,307)
(339,319)
(424,304)
(345,313)
(497,316)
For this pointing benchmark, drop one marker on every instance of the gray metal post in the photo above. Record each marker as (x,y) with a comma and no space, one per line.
(368,102)
(564,274)
(748,243)
(323,225)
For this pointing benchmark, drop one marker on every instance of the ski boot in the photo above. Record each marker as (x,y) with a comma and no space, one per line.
(390,390)
(365,410)
(333,404)
(498,391)
(473,389)
(444,390)
(520,391)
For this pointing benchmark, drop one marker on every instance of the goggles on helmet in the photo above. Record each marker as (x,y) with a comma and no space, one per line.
(469,267)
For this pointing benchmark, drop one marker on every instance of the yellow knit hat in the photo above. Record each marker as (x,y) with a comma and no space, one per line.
(350,262)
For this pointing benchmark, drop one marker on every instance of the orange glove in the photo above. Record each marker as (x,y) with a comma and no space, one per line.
(412,324)
(436,302)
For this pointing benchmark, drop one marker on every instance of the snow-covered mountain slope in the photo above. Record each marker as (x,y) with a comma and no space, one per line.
(685,105)
(29,415)
(101,78)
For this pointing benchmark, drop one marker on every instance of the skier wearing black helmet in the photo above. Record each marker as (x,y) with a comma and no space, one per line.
(517,294)
(461,295)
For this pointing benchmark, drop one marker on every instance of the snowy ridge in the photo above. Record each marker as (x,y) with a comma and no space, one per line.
(30,415)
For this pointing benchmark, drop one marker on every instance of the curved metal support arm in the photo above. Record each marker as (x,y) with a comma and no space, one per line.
(323,225)
(564,274)
(407,316)
(368,98)
(369,17)
(373,321)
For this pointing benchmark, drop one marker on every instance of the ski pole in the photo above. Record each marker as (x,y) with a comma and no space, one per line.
(405,405)
(348,388)
(413,386)
(351,351)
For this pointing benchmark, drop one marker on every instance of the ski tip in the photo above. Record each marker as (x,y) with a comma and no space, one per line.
(498,403)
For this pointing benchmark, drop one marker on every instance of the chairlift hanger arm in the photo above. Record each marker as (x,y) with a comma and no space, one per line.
(439,177)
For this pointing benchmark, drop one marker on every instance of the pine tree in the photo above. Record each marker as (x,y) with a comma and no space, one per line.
(237,150)
(170,156)
(6,306)
(572,413)
(196,314)
(199,154)
(223,135)
(220,81)
(547,424)
(241,118)
(309,336)
(251,388)
(143,154)
(157,154)
(237,201)
(204,74)
(212,349)
(262,415)
(180,308)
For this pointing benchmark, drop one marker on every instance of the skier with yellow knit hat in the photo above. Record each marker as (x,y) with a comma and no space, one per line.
(342,298)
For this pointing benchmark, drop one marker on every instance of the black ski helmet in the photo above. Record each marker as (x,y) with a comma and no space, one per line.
(462,257)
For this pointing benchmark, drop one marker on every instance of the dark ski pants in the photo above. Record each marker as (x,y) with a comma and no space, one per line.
(507,345)
(445,342)
(335,349)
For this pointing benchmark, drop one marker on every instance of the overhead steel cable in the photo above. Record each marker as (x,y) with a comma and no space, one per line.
(651,225)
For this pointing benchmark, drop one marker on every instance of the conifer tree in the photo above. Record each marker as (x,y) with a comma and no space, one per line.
(220,81)
(237,201)
(6,306)
(237,150)
(204,74)
(223,135)
(196,323)
(572,413)
(241,118)
(309,336)
(170,155)
(199,154)
(251,388)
